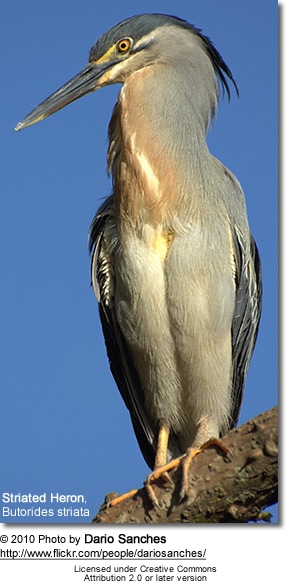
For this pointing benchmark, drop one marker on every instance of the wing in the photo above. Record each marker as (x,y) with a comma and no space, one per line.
(121,365)
(246,316)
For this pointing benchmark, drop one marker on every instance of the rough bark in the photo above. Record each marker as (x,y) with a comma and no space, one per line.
(221,490)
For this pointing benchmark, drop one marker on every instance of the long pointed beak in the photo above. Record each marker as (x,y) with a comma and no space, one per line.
(92,77)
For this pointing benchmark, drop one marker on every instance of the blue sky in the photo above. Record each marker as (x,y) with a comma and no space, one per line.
(64,428)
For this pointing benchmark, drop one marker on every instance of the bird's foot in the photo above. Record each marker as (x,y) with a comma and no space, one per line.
(185,461)
(189,456)
(161,472)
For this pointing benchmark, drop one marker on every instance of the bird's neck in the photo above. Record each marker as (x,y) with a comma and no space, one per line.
(157,151)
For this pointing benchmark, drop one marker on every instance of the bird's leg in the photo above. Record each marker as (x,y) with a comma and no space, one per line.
(162,444)
(161,468)
(200,443)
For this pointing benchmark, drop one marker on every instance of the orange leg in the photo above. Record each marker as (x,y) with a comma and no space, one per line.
(160,460)
(162,469)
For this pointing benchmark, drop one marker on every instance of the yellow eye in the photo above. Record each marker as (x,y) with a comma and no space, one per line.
(123,45)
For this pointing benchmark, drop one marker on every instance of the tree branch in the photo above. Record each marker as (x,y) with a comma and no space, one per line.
(220,490)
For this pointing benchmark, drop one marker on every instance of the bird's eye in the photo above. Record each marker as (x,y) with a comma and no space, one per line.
(123,45)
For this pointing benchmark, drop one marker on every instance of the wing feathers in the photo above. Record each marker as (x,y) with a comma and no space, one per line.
(246,316)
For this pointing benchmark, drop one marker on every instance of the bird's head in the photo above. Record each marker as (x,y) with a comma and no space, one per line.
(131,45)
